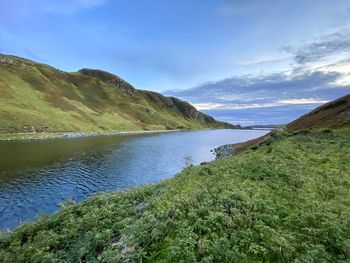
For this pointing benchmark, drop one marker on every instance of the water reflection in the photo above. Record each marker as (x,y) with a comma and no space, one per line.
(36,176)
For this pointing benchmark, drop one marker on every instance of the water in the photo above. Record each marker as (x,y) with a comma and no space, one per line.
(36,176)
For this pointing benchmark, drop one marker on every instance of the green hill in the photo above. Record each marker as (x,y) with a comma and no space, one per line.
(38,98)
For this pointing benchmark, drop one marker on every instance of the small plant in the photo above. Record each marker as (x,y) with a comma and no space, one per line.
(269,148)
(188,160)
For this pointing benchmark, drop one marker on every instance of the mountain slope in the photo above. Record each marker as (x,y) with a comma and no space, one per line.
(334,114)
(38,98)
(330,115)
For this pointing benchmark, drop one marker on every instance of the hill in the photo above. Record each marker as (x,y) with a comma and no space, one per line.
(39,98)
(330,115)
(333,114)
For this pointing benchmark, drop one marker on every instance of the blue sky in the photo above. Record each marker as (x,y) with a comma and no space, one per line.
(244,61)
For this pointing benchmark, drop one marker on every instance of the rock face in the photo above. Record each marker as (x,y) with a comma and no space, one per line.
(224,151)
(190,111)
(330,115)
(6,59)
(110,78)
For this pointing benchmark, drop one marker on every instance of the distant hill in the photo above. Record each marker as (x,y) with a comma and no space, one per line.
(267,126)
(330,115)
(39,98)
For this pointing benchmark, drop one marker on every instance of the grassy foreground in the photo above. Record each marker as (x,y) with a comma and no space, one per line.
(286,200)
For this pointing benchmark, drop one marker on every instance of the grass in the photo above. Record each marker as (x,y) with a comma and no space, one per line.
(38,98)
(285,200)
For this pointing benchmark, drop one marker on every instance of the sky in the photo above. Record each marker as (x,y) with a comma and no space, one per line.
(242,61)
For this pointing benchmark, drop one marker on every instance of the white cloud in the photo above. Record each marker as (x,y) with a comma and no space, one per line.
(208,106)
(301,101)
(286,102)
(343,81)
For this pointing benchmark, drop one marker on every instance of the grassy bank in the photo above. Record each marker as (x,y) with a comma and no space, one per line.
(286,200)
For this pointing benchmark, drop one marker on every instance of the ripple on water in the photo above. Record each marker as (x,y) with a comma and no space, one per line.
(78,168)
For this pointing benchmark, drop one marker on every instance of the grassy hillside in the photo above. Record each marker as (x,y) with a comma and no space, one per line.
(331,115)
(38,98)
(285,200)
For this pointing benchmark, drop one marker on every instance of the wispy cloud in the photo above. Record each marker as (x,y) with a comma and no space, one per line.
(335,44)
(265,88)
(286,94)
(302,101)
(286,102)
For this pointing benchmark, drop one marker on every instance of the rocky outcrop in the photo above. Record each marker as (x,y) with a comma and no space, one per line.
(224,151)
(185,108)
(6,59)
(110,78)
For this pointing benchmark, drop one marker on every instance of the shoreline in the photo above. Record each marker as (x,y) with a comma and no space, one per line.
(33,136)
(71,135)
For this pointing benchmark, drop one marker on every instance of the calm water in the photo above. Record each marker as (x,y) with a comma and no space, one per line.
(36,176)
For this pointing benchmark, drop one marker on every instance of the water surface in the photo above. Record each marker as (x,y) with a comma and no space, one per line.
(36,176)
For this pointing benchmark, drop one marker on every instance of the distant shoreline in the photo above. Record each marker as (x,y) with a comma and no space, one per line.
(69,135)
(34,136)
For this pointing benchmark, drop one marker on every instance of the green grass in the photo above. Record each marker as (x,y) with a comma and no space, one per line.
(288,200)
(36,97)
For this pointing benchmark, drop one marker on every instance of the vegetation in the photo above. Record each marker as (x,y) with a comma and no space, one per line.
(285,200)
(36,98)
(331,115)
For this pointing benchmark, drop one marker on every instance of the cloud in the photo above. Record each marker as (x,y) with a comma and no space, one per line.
(319,72)
(330,45)
(263,88)
(283,94)
(302,101)
(270,115)
(285,102)
(208,106)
